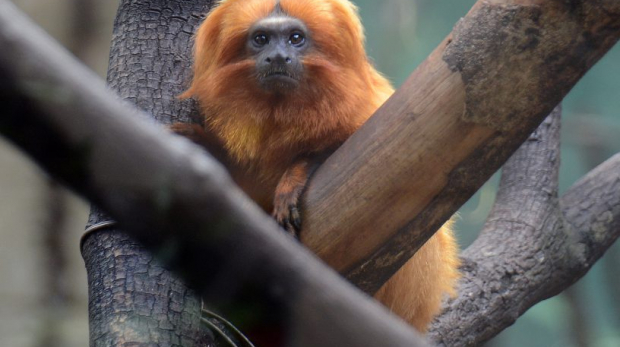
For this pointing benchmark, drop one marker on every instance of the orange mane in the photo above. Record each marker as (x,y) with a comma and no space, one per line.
(340,90)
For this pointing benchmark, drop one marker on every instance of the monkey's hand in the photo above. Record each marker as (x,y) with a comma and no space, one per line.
(191,131)
(287,194)
(198,135)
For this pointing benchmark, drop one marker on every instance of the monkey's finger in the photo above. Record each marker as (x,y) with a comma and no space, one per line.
(290,228)
(295,218)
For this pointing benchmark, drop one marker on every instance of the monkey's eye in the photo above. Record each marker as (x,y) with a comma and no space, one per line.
(261,39)
(297,39)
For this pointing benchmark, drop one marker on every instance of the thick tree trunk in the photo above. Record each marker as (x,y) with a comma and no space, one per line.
(132,298)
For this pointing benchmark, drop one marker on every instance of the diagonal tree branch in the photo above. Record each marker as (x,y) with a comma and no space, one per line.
(453,123)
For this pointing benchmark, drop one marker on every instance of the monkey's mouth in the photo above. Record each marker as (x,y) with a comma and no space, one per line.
(278,80)
(283,74)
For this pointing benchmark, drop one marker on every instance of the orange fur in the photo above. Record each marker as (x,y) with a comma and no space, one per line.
(416,291)
(265,134)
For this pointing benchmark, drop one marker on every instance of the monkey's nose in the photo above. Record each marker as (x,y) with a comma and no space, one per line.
(278,59)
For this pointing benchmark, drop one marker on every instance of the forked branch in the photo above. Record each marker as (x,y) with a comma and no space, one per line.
(533,245)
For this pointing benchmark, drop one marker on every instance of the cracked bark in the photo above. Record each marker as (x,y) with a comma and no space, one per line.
(132,298)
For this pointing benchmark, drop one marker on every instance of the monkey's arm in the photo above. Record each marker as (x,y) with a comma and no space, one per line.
(290,188)
(197,134)
(286,197)
(193,132)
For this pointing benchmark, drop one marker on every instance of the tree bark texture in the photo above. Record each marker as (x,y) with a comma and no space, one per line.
(534,245)
(132,298)
(452,124)
(175,199)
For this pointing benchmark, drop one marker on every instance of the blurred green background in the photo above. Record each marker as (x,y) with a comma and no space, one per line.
(43,290)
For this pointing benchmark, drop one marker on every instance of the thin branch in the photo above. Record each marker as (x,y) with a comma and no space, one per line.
(84,13)
(54,266)
(174,198)
(578,321)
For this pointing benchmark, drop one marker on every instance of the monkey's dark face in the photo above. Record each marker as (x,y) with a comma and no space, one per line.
(278,43)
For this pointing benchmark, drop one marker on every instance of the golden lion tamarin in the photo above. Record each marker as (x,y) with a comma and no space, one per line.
(281,84)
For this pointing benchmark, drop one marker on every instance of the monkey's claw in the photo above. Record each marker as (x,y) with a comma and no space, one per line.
(288,217)
(295,218)
(286,212)
(191,131)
